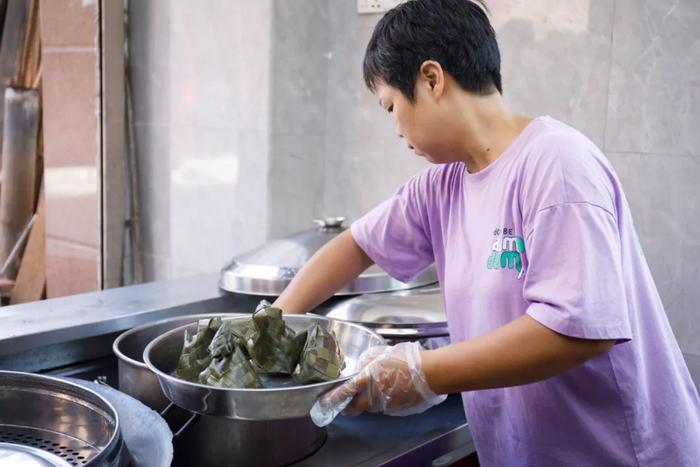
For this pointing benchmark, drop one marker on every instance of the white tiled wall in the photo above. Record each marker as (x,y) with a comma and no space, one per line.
(202,86)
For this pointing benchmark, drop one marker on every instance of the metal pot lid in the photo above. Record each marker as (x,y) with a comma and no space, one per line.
(416,313)
(268,269)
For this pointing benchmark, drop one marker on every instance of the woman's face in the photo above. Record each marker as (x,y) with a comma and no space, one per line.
(423,123)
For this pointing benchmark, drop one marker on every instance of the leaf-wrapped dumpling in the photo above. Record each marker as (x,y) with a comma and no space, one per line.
(232,333)
(195,355)
(232,371)
(273,346)
(321,358)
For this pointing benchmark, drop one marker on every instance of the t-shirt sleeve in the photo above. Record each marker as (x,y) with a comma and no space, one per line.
(395,234)
(574,282)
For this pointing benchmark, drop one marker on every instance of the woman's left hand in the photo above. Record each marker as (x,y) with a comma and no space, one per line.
(391,380)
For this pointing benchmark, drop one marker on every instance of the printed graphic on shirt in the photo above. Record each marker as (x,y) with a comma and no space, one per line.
(507,251)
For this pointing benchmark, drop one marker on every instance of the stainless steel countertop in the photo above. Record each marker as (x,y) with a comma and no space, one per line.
(43,329)
(57,320)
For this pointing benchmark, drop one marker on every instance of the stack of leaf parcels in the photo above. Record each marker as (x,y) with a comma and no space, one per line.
(233,353)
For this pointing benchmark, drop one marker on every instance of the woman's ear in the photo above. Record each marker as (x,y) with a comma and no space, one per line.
(433,76)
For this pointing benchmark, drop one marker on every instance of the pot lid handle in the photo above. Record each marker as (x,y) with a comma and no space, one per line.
(330,223)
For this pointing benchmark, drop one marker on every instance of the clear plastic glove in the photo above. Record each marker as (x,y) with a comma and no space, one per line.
(390,380)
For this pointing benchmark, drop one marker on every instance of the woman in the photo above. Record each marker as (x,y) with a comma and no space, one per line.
(560,344)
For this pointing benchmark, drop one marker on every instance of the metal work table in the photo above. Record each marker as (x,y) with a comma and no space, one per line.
(72,336)
(87,315)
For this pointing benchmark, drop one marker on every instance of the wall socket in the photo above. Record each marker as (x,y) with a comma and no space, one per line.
(368,7)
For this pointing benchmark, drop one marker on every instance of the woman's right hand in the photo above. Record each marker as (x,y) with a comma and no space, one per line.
(390,380)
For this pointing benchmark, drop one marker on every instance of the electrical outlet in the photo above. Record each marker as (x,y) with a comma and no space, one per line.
(368,7)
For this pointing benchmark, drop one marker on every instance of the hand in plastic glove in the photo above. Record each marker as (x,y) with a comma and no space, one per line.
(370,354)
(390,381)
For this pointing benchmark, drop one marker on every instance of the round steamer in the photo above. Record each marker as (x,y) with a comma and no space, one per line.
(45,421)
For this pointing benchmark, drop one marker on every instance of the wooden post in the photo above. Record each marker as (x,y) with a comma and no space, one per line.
(18,167)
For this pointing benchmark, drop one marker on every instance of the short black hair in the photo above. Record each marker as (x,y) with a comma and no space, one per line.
(455,33)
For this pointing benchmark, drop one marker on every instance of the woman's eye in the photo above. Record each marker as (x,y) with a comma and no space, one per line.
(390,109)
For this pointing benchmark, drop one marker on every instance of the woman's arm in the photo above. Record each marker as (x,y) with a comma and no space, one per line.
(521,352)
(333,266)
(402,379)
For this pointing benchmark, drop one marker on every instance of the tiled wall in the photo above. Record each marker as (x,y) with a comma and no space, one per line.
(201,83)
(299,119)
(70,67)
(366,161)
(623,71)
(653,140)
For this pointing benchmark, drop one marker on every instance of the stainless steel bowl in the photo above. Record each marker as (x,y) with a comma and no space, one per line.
(209,440)
(135,379)
(279,403)
(49,420)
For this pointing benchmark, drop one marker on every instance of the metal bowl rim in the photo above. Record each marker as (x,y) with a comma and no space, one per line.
(429,325)
(115,440)
(161,374)
(121,356)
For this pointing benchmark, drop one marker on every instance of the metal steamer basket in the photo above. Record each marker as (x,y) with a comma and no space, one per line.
(46,421)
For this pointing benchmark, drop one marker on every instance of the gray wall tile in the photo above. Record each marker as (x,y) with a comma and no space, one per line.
(360,179)
(300,60)
(149,33)
(152,141)
(202,132)
(693,362)
(296,182)
(151,94)
(663,197)
(366,161)
(149,56)
(205,66)
(355,118)
(556,59)
(299,66)
(654,84)
(210,198)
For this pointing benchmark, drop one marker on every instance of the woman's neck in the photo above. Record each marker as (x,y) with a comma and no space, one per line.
(489,128)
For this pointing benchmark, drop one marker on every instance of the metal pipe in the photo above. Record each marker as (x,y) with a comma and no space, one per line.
(14,254)
(17,195)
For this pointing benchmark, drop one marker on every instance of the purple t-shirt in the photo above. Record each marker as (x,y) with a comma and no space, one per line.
(545,230)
